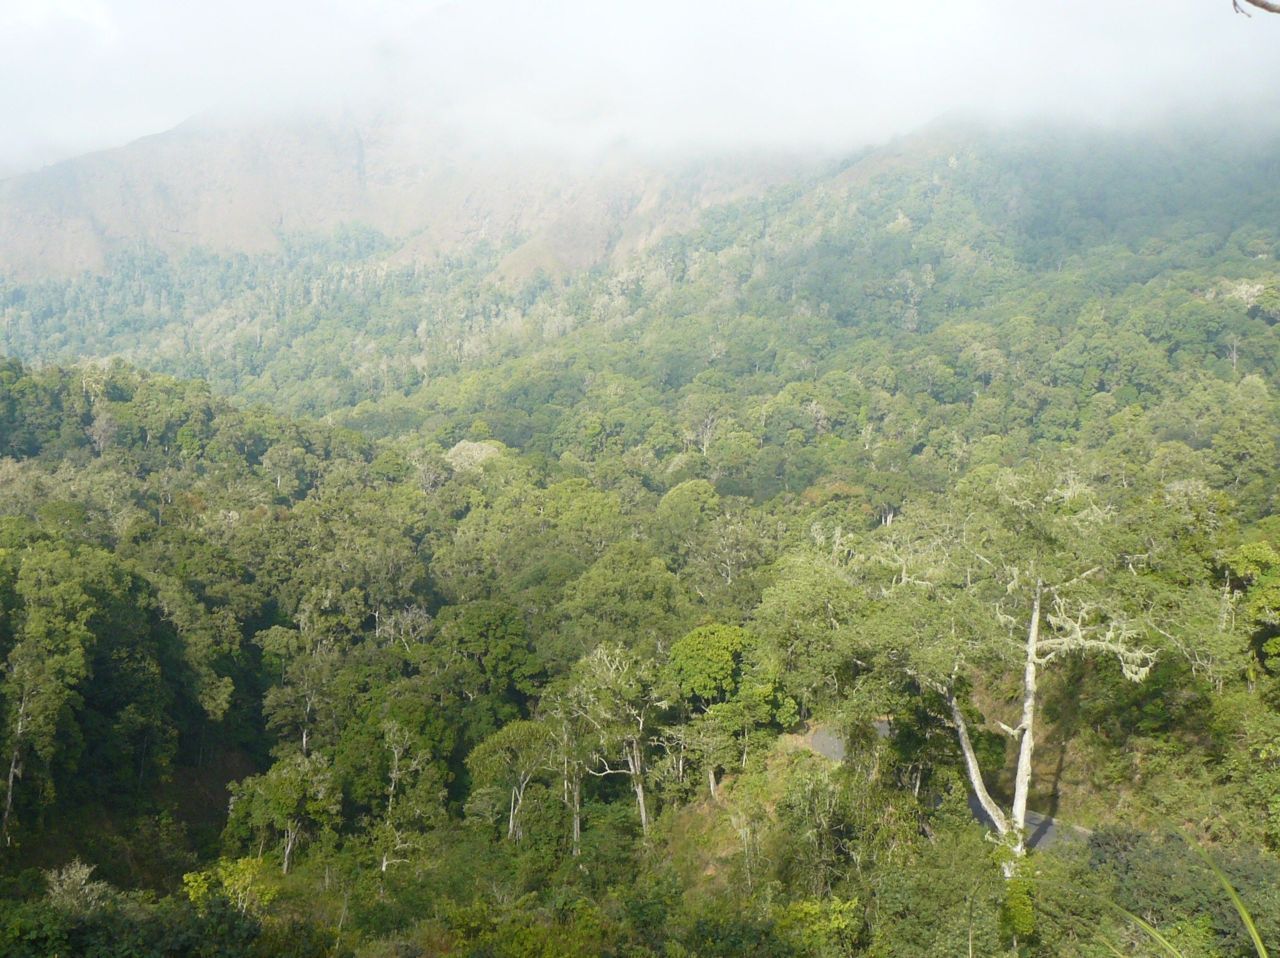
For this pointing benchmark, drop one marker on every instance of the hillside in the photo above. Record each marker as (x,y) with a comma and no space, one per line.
(435,610)
(951,226)
(232,186)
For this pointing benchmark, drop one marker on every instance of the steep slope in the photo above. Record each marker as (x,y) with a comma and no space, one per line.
(1168,237)
(522,674)
(234,186)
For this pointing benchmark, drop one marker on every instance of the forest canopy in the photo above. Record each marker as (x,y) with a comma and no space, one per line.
(887,564)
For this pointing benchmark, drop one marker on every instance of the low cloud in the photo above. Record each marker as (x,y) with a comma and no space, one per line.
(83,74)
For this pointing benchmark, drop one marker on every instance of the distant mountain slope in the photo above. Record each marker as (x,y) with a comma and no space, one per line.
(967,240)
(238,187)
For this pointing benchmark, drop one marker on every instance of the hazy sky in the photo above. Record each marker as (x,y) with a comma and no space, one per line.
(82,74)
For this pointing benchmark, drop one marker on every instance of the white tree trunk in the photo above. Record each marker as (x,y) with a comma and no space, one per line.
(644,811)
(290,840)
(1027,742)
(15,766)
(975,773)
(15,772)
(635,764)
(577,818)
(1016,822)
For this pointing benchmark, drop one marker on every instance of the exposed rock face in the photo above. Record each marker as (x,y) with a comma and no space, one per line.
(231,186)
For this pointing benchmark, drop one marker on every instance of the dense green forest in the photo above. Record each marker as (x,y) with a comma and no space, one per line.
(430,614)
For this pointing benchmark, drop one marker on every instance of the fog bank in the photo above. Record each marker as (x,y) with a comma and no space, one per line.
(77,75)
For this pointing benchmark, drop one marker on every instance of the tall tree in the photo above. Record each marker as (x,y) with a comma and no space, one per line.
(1016,572)
(614,698)
(59,593)
(507,761)
(290,802)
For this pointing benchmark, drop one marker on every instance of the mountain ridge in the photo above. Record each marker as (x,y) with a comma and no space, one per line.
(239,187)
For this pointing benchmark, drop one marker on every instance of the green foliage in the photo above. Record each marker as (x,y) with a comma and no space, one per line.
(241,882)
(706,665)
(519,668)
(1169,883)
(947,896)
(288,804)
(822,928)
(81,916)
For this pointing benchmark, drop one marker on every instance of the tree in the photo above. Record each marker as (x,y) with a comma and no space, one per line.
(59,594)
(807,617)
(289,802)
(415,797)
(717,673)
(1257,564)
(614,698)
(706,664)
(681,517)
(308,663)
(483,651)
(629,596)
(1017,570)
(704,669)
(507,761)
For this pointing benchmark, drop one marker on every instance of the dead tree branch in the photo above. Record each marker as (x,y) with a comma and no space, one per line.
(1266,5)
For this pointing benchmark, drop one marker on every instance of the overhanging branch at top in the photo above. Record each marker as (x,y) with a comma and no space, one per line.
(1266,5)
